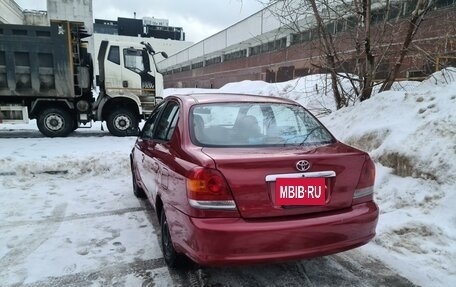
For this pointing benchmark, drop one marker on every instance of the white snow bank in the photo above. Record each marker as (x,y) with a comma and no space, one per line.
(442,77)
(412,137)
(410,132)
(104,156)
(313,91)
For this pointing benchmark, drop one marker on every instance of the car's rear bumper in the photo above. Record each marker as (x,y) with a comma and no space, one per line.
(219,241)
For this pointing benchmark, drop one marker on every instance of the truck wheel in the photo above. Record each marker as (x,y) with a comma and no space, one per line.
(55,122)
(75,126)
(120,120)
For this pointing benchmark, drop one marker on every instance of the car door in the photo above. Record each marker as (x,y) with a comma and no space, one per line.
(145,166)
(156,150)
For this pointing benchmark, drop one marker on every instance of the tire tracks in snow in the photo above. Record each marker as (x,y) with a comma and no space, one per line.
(27,245)
(351,268)
(107,276)
(72,217)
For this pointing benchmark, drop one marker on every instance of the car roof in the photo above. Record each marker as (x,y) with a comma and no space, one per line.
(206,98)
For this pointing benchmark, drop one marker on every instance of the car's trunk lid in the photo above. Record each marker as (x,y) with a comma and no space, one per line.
(251,175)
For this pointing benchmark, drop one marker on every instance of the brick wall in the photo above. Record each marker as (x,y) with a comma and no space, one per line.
(437,36)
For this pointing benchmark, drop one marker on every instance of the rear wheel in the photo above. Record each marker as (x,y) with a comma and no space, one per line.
(120,121)
(172,258)
(55,122)
(137,190)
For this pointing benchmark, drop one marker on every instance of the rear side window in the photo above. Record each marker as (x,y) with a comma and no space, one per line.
(148,129)
(167,122)
(255,124)
(114,55)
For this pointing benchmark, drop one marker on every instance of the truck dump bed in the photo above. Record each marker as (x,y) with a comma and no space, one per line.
(37,61)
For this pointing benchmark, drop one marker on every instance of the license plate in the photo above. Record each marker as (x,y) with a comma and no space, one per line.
(300,191)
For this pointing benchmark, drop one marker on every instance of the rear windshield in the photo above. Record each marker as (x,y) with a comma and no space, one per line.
(255,124)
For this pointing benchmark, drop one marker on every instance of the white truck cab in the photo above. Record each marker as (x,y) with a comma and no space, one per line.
(130,85)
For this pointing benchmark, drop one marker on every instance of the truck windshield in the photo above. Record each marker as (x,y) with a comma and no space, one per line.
(255,124)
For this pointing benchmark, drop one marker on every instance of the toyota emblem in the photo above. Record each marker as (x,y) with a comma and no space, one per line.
(303,165)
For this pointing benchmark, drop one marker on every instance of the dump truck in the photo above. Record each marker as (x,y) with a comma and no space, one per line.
(46,73)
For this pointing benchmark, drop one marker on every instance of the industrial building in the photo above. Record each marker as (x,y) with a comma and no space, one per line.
(148,27)
(261,47)
(156,31)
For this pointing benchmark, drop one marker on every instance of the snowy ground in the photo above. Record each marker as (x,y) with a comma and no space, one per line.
(68,216)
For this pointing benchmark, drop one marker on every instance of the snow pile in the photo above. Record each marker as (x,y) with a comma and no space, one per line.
(400,86)
(313,91)
(75,155)
(442,77)
(412,137)
(410,132)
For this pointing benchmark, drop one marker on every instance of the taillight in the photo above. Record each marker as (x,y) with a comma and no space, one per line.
(365,189)
(207,189)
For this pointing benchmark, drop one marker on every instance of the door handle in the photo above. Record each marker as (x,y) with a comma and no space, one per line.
(125,84)
(143,158)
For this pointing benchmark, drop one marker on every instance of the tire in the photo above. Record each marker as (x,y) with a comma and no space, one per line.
(75,126)
(173,259)
(137,190)
(120,120)
(55,122)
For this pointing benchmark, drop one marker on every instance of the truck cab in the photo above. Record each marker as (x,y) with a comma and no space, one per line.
(130,85)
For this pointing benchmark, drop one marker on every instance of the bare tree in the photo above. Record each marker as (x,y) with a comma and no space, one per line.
(416,18)
(358,58)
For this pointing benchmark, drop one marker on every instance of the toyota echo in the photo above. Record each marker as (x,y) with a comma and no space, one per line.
(250,179)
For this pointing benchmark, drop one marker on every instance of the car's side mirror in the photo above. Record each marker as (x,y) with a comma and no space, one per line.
(133,132)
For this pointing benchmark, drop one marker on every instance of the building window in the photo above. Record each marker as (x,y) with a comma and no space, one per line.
(197,65)
(269,46)
(213,61)
(443,3)
(235,55)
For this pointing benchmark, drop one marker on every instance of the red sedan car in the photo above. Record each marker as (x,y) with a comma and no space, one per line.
(251,179)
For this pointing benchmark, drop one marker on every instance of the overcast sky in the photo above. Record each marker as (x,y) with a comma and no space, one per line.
(199,18)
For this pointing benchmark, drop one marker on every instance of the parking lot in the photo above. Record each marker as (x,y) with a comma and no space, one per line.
(69,218)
